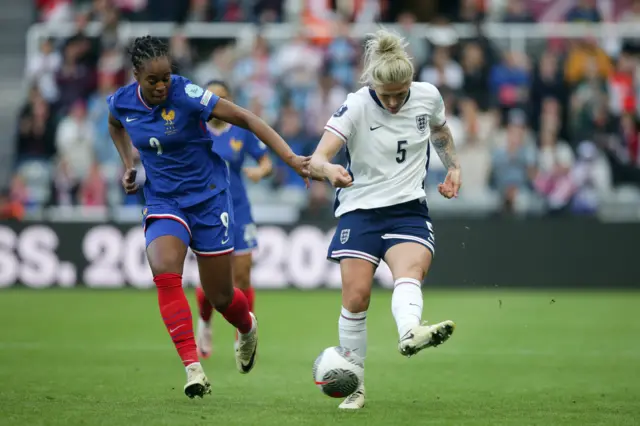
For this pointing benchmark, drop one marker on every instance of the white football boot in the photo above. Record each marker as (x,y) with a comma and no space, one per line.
(425,336)
(197,382)
(204,339)
(246,348)
(355,401)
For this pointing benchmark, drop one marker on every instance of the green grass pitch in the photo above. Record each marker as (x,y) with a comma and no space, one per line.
(88,357)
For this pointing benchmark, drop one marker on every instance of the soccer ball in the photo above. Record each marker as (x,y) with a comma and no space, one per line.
(338,372)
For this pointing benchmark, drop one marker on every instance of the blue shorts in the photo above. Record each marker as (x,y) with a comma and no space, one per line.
(368,234)
(245,231)
(207,227)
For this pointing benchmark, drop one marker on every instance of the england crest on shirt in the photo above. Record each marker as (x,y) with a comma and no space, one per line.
(421,123)
(344,235)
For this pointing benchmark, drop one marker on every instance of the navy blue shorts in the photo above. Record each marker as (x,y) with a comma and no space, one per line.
(245,230)
(368,234)
(208,227)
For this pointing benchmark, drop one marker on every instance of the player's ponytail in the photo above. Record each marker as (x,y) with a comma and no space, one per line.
(386,61)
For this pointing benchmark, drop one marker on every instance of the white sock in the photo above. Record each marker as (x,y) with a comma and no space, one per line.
(352,329)
(406,304)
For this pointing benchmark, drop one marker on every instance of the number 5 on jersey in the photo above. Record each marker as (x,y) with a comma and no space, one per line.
(402,152)
(155,143)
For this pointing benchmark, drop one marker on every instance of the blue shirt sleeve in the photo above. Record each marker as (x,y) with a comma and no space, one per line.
(255,147)
(197,101)
(111,101)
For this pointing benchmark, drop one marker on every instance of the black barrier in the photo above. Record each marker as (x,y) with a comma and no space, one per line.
(572,253)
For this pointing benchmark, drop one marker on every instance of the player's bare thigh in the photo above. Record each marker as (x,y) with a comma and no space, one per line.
(357,279)
(408,260)
(216,279)
(242,264)
(166,255)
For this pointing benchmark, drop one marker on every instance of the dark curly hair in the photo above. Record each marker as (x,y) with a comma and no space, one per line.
(147,48)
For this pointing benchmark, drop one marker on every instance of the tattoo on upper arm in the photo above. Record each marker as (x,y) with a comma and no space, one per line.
(443,143)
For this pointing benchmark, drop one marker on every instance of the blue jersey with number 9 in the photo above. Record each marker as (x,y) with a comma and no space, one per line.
(173,141)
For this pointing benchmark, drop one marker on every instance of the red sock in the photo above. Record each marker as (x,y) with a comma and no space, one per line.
(250,294)
(237,313)
(204,306)
(176,315)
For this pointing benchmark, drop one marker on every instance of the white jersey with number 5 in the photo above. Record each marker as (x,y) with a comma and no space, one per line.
(387,154)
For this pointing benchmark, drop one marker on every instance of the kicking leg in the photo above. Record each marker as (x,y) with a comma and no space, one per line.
(217,283)
(166,251)
(357,278)
(409,263)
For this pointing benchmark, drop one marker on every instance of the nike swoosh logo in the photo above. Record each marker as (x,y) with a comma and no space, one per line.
(129,120)
(407,337)
(249,366)
(225,241)
(374,128)
(171,330)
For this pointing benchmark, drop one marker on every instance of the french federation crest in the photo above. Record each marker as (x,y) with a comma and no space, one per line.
(421,123)
(344,235)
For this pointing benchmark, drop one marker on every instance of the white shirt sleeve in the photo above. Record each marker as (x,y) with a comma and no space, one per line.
(438,117)
(343,122)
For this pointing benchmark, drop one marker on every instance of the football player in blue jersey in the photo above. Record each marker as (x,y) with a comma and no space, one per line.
(188,202)
(234,144)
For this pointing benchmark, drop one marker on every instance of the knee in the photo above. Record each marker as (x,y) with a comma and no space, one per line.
(222,299)
(356,301)
(242,279)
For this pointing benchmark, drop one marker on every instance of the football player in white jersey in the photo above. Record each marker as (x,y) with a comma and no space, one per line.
(381,200)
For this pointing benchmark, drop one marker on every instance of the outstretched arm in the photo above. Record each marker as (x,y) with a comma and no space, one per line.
(238,116)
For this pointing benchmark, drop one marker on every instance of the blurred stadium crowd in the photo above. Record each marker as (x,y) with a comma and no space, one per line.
(552,130)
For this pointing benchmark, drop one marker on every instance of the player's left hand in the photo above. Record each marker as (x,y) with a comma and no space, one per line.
(302,166)
(451,185)
(253,173)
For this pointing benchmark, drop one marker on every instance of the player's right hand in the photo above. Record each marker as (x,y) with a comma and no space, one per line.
(338,176)
(301,165)
(129,181)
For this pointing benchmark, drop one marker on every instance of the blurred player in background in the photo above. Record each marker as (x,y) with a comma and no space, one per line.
(381,200)
(187,196)
(234,144)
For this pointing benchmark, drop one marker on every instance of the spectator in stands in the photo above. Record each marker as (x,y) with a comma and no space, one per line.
(54,11)
(110,18)
(418,48)
(341,55)
(588,104)
(297,66)
(470,11)
(217,67)
(444,71)
(623,151)
(112,64)
(517,12)
(36,129)
(514,164)
(476,76)
(592,178)
(74,143)
(292,131)
(322,103)
(93,189)
(621,89)
(509,82)
(580,55)
(42,69)
(181,54)
(555,161)
(14,200)
(253,76)
(474,153)
(75,80)
(548,83)
(98,110)
(584,11)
